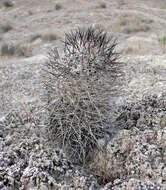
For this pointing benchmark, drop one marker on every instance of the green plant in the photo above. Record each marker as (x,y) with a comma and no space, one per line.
(78,88)
(162,42)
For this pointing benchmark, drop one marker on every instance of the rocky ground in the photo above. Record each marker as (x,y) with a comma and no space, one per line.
(134,156)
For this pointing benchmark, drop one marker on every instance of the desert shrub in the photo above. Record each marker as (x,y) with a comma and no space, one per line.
(161,39)
(16,49)
(134,24)
(7,49)
(8,3)
(24,50)
(78,88)
(6,27)
(58,6)
(34,37)
(49,37)
(102,5)
(30,12)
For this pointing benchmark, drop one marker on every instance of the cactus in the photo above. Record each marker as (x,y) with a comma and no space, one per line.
(78,88)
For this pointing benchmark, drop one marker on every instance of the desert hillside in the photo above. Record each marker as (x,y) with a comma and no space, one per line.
(134,155)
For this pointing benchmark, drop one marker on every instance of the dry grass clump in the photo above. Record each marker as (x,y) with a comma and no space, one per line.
(134,23)
(161,39)
(102,5)
(34,37)
(16,49)
(24,50)
(78,88)
(8,3)
(58,6)
(6,27)
(7,49)
(49,37)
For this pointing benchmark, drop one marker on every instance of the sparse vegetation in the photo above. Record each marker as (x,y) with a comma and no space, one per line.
(103,5)
(8,3)
(11,49)
(133,24)
(135,28)
(98,26)
(49,37)
(137,49)
(7,49)
(35,37)
(125,133)
(58,6)
(78,88)
(161,39)
(30,12)
(24,50)
(6,27)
